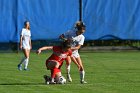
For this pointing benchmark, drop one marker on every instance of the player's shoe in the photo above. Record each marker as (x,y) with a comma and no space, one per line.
(69,78)
(26,69)
(83,82)
(52,82)
(19,67)
(47,79)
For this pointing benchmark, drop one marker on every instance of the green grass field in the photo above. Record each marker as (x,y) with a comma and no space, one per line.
(109,72)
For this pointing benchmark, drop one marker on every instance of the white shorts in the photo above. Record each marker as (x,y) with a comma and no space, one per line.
(26,46)
(75,54)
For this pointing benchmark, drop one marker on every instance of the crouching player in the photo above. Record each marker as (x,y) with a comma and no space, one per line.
(55,61)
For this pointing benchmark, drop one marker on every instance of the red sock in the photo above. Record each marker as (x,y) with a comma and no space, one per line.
(54,71)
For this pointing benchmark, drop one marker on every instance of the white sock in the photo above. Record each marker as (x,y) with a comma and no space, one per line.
(26,63)
(82,75)
(22,60)
(68,69)
(52,80)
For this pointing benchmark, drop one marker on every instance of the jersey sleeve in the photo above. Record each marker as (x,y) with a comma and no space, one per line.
(22,32)
(30,33)
(81,42)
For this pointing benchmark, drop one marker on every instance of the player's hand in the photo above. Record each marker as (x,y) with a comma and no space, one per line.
(38,51)
(20,47)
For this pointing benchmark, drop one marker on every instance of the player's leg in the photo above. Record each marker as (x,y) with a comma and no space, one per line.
(81,71)
(75,61)
(58,74)
(53,66)
(68,62)
(22,60)
(76,57)
(20,64)
(54,74)
(48,79)
(26,61)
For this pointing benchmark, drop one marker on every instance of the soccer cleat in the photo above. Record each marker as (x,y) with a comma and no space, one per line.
(19,67)
(83,82)
(52,82)
(69,78)
(47,79)
(26,69)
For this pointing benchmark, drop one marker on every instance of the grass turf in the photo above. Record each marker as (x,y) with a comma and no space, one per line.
(108,72)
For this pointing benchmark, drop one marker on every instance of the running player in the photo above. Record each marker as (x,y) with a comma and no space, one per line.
(25,45)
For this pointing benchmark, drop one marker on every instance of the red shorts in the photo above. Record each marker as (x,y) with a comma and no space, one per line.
(60,63)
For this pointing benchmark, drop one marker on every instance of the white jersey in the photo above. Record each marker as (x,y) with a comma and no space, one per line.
(76,40)
(26,34)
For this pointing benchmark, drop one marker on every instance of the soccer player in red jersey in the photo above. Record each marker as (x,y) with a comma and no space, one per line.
(55,61)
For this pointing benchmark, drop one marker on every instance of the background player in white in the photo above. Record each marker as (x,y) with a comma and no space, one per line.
(77,40)
(25,45)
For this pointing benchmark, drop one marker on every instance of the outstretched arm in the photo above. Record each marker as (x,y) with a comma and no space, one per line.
(44,48)
(30,43)
(20,44)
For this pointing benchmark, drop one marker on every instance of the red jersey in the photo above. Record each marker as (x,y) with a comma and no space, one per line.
(59,55)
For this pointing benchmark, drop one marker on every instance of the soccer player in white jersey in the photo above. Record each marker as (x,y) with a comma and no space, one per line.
(77,38)
(25,45)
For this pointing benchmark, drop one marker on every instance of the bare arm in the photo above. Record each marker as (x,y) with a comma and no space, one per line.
(30,43)
(44,48)
(20,44)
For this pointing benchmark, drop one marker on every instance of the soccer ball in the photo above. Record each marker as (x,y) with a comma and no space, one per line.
(61,80)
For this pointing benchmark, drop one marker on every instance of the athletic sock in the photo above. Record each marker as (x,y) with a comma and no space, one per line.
(82,75)
(52,80)
(26,63)
(22,61)
(68,69)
